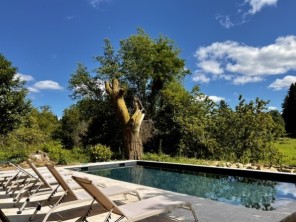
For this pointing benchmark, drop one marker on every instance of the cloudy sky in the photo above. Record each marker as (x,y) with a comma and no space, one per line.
(232,47)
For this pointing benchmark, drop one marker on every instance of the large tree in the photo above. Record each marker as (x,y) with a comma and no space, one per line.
(132,123)
(13,103)
(134,77)
(289,110)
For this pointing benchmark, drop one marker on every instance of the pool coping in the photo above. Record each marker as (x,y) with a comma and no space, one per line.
(256,174)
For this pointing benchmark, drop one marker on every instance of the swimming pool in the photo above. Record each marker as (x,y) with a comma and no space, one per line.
(253,193)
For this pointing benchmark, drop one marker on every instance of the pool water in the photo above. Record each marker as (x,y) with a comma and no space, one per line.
(259,194)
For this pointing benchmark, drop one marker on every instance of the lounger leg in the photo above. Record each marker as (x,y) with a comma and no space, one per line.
(108,217)
(26,189)
(119,219)
(27,199)
(18,183)
(38,208)
(83,218)
(188,206)
(11,181)
(7,180)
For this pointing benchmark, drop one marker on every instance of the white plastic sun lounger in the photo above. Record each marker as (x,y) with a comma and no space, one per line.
(133,211)
(71,196)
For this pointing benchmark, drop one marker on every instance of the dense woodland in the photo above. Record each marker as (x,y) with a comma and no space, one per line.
(134,103)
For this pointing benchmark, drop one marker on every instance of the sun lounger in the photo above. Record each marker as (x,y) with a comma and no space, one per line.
(45,183)
(6,178)
(21,179)
(71,196)
(21,176)
(133,211)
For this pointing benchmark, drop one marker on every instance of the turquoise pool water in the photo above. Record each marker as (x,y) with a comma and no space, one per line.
(253,193)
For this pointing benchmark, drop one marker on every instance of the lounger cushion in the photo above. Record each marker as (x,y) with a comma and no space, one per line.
(151,206)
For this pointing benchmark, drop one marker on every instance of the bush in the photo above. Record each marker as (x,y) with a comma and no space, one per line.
(65,156)
(100,153)
(12,157)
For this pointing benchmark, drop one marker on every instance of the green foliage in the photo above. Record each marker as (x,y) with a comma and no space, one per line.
(148,65)
(38,127)
(100,153)
(14,157)
(184,123)
(13,103)
(245,134)
(289,110)
(72,127)
(279,121)
(191,113)
(216,131)
(84,85)
(144,66)
(64,156)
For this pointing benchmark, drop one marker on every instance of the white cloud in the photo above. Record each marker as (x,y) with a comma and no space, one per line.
(244,14)
(225,21)
(47,84)
(199,77)
(284,83)
(241,80)
(24,77)
(272,108)
(211,66)
(247,63)
(97,3)
(216,98)
(33,90)
(257,5)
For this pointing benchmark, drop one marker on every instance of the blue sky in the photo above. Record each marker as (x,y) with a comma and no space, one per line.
(232,47)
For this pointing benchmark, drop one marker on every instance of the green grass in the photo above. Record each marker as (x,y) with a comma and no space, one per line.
(287,147)
(184,160)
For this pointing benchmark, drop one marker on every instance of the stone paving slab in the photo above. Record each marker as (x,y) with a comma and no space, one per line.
(207,210)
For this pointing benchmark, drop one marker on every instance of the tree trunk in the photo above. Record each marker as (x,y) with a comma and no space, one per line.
(132,144)
(132,124)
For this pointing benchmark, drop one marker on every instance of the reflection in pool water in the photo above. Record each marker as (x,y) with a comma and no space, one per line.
(253,193)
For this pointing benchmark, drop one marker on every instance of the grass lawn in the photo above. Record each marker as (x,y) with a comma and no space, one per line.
(287,146)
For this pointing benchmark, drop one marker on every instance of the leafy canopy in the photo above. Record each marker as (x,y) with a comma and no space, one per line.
(13,103)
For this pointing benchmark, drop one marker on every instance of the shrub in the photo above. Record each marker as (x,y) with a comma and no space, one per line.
(99,153)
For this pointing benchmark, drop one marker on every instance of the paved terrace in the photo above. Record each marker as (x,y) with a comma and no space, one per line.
(207,210)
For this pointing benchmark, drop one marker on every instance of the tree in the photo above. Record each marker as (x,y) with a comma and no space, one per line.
(246,134)
(13,103)
(37,129)
(134,77)
(279,122)
(132,123)
(72,127)
(191,116)
(289,110)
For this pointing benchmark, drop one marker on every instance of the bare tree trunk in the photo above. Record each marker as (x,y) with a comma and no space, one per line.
(133,144)
(132,124)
